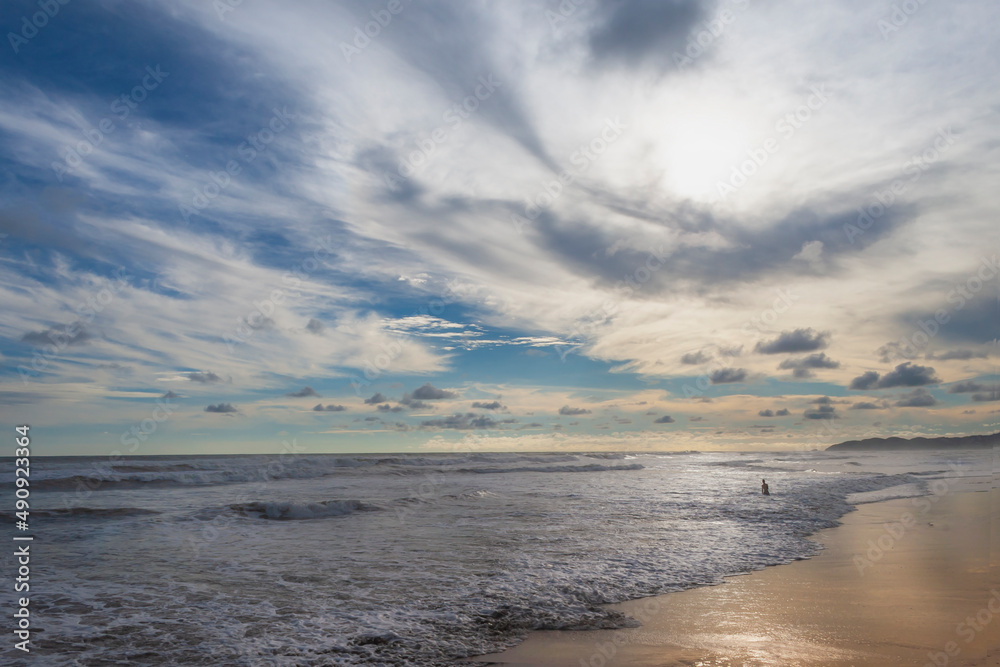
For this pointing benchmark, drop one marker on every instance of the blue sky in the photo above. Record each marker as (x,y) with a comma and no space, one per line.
(399,225)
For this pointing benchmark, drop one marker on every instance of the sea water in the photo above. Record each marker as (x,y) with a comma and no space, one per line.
(408,559)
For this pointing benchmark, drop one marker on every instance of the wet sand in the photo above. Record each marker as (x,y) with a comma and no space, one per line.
(901,582)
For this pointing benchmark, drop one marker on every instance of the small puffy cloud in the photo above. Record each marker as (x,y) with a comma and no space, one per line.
(728,375)
(695,358)
(811,252)
(315,326)
(222,408)
(416,405)
(493,405)
(203,378)
(385,407)
(783,412)
(868,405)
(465,422)
(802,366)
(866,380)
(918,398)
(329,408)
(303,393)
(991,395)
(799,340)
(170,394)
(429,392)
(904,375)
(697,419)
(765,413)
(375,399)
(665,419)
(570,412)
(60,337)
(821,412)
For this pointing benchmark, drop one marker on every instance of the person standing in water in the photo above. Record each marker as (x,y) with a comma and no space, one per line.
(763,487)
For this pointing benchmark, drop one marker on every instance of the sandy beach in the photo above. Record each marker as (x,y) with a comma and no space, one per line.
(902,582)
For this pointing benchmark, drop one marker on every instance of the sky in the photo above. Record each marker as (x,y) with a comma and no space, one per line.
(423,225)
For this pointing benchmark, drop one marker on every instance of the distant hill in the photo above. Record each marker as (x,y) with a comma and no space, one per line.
(961,442)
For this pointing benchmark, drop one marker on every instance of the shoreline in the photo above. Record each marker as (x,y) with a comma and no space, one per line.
(899,582)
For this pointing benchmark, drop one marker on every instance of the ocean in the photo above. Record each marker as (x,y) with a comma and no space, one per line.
(409,559)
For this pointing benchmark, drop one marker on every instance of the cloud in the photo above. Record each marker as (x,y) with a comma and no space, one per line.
(727,375)
(959,355)
(665,419)
(494,405)
(867,380)
(799,340)
(429,392)
(315,326)
(222,408)
(203,378)
(802,365)
(868,405)
(992,395)
(695,358)
(904,375)
(570,412)
(918,398)
(416,405)
(634,31)
(171,394)
(465,422)
(329,408)
(375,399)
(60,337)
(386,408)
(783,412)
(821,412)
(967,387)
(303,393)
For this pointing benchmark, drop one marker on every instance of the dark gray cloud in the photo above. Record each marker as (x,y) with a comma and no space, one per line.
(803,365)
(203,378)
(783,412)
(329,408)
(971,321)
(385,407)
(222,408)
(303,393)
(728,375)
(959,355)
(429,392)
(992,395)
(639,30)
(695,358)
(665,419)
(416,405)
(967,387)
(375,399)
(918,398)
(570,412)
(465,422)
(765,413)
(58,336)
(868,405)
(493,405)
(821,412)
(826,400)
(171,394)
(867,380)
(799,340)
(315,326)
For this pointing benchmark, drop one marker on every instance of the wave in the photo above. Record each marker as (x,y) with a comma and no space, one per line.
(591,467)
(94,512)
(176,467)
(289,511)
